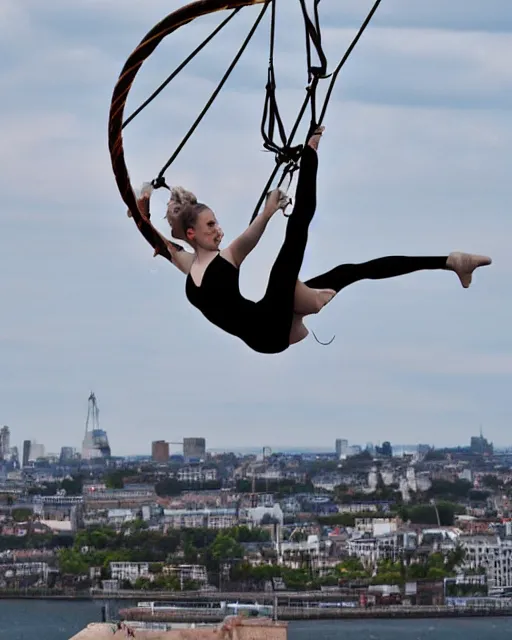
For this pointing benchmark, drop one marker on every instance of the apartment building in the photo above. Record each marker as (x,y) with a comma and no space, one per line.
(492,553)
(194,572)
(196,474)
(129,570)
(200,518)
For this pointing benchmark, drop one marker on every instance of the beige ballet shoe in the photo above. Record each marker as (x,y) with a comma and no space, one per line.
(464,264)
(314,141)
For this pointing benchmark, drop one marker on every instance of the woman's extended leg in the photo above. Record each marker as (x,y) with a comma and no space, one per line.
(285,271)
(463,264)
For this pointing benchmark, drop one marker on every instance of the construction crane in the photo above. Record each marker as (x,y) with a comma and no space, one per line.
(93,414)
(95,443)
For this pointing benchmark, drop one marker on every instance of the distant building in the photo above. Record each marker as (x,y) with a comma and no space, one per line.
(493,554)
(196,474)
(26,452)
(129,570)
(15,456)
(216,518)
(160,451)
(184,572)
(36,451)
(126,498)
(341,448)
(95,443)
(481,445)
(66,454)
(386,450)
(5,443)
(194,449)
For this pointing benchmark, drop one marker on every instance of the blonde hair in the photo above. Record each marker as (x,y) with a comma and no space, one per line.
(183,210)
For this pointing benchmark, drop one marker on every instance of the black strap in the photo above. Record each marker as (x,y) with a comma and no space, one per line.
(159,182)
(286,153)
(346,57)
(217,90)
(315,74)
(180,68)
(271,117)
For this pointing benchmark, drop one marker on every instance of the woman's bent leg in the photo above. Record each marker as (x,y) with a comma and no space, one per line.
(308,301)
(298,330)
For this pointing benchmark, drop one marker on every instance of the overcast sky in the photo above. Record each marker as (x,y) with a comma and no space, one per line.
(415,160)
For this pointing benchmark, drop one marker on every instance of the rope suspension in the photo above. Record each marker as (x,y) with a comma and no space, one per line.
(271,117)
(315,74)
(286,152)
(180,67)
(216,92)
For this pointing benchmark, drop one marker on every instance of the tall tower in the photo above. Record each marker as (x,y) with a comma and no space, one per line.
(26,452)
(341,447)
(194,449)
(5,443)
(95,443)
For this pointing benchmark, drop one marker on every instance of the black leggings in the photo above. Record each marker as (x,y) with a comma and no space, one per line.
(278,303)
(280,293)
(378,269)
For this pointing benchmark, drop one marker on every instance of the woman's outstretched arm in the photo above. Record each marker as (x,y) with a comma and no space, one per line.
(242,246)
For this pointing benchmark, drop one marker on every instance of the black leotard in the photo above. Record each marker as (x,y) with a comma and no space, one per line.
(220,301)
(265,325)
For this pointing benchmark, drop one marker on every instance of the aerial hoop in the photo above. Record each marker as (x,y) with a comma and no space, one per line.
(286,153)
(148,44)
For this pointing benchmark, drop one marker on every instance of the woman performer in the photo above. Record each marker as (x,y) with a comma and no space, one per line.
(276,321)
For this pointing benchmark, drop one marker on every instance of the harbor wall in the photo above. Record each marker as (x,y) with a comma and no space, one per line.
(235,628)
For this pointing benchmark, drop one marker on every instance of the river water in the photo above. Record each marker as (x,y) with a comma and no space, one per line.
(59,620)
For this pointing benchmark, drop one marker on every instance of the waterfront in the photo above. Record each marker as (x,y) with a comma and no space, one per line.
(58,620)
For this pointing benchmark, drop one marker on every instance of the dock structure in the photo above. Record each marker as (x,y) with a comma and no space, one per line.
(233,628)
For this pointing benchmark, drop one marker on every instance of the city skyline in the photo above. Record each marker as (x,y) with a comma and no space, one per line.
(173,447)
(414,160)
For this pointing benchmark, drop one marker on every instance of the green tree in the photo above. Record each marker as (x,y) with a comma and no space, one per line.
(426,513)
(21,514)
(115,479)
(245,534)
(352,569)
(447,490)
(142,584)
(455,558)
(72,562)
(226,547)
(296,579)
(189,552)
(73,486)
(491,482)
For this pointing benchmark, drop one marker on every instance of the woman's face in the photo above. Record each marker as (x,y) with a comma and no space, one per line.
(207,233)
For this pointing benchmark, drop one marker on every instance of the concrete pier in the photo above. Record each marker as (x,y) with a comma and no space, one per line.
(233,628)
